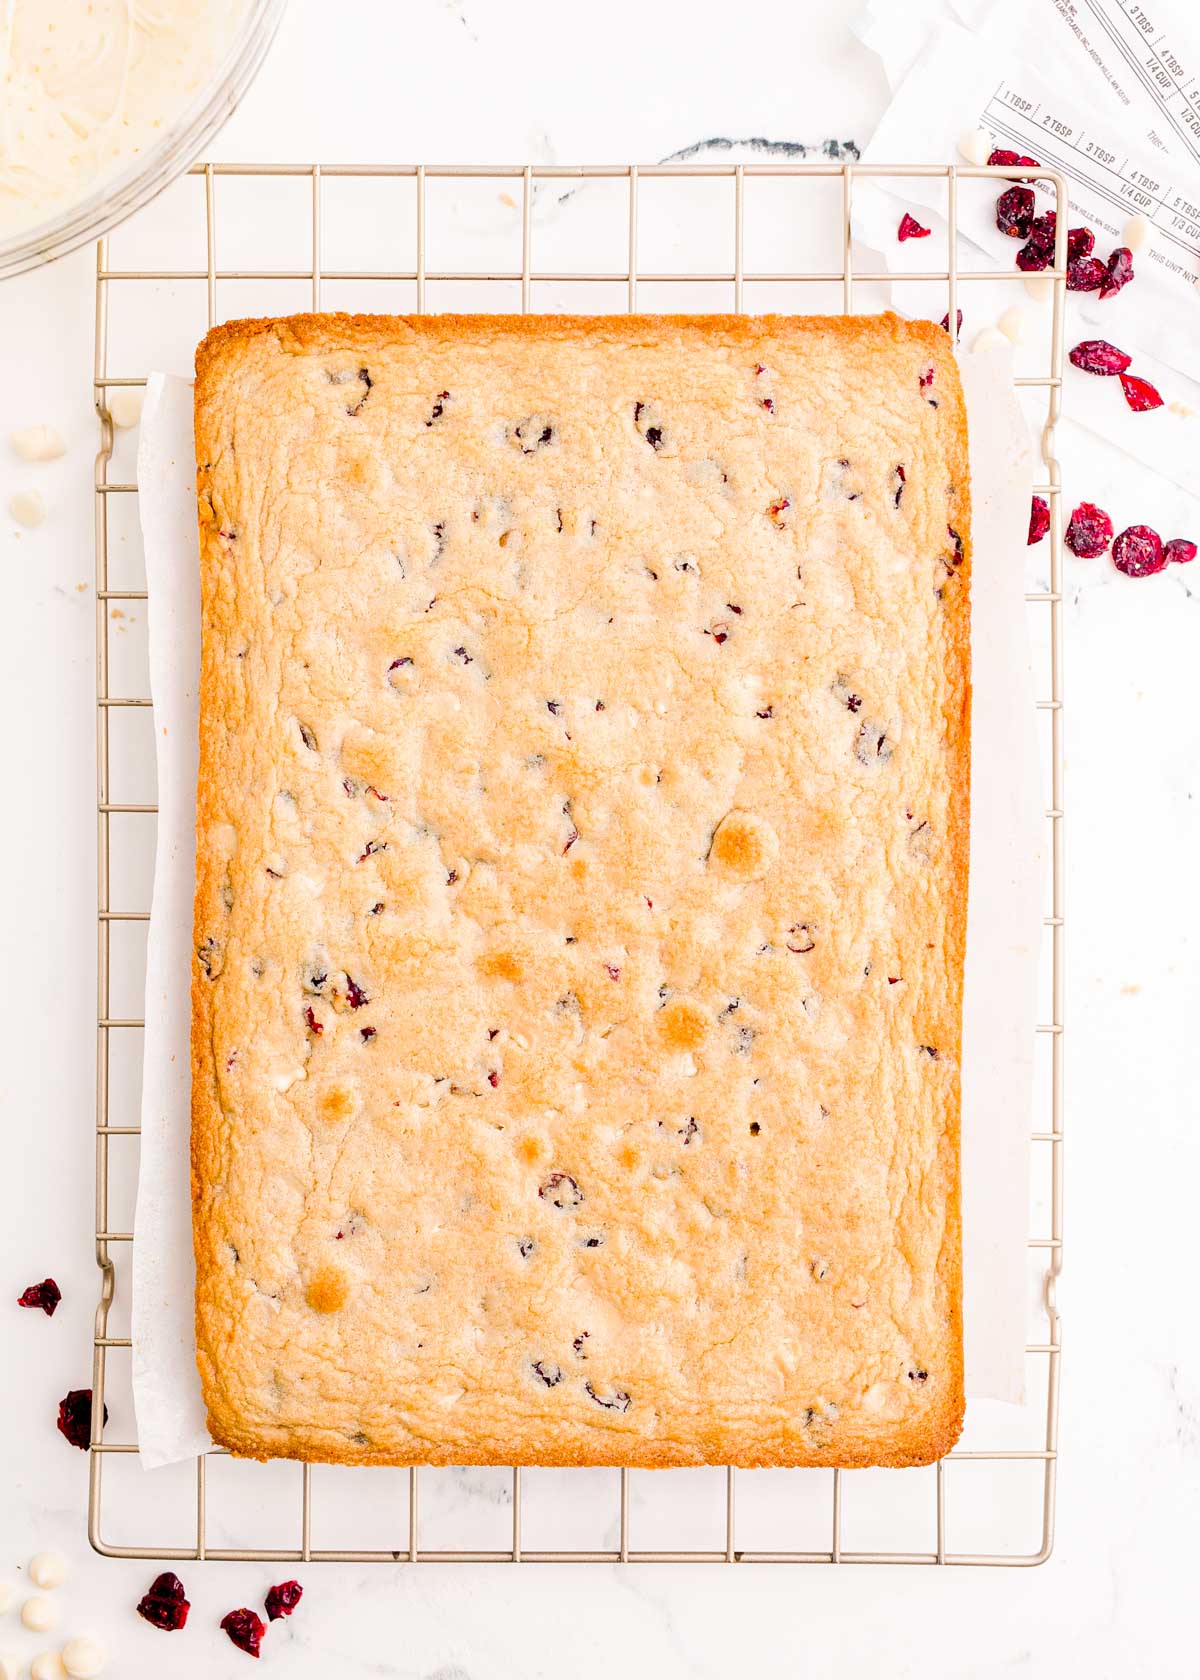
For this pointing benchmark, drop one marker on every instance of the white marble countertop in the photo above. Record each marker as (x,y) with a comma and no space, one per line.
(488,81)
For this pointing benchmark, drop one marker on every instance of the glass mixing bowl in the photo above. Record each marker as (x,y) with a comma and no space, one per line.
(114,197)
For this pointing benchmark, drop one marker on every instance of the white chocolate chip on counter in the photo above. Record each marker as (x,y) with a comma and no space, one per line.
(1137,231)
(47,1570)
(125,405)
(38,443)
(39,1613)
(27,508)
(988,338)
(1014,323)
(1040,287)
(47,1665)
(10,1665)
(8,1597)
(84,1658)
(976,146)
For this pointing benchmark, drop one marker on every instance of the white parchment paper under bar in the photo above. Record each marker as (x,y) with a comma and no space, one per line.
(166,1385)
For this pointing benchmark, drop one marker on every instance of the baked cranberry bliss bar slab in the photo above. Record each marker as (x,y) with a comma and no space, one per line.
(581,889)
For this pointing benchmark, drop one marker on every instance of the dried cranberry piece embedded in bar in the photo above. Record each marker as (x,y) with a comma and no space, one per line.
(617,1401)
(561,1191)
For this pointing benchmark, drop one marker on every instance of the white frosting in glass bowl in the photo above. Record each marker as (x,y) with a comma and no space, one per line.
(89,87)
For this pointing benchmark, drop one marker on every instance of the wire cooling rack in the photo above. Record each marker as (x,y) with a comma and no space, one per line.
(1001,1510)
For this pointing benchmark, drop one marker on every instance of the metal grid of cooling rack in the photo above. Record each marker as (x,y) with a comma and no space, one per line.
(1048,600)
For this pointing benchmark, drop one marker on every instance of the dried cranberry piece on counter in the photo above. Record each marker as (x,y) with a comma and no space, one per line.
(945,322)
(1000,159)
(1120,271)
(1138,552)
(283,1599)
(1039,520)
(75,1417)
(1081,242)
(46,1295)
(1089,532)
(166,1604)
(1086,274)
(1014,212)
(1097,355)
(910,228)
(1038,252)
(1180,550)
(245,1629)
(1031,258)
(1043,231)
(1139,393)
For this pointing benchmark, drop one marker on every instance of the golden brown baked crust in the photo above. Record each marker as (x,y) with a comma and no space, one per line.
(581,889)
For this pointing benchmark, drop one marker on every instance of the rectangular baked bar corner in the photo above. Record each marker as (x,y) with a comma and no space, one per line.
(581,889)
